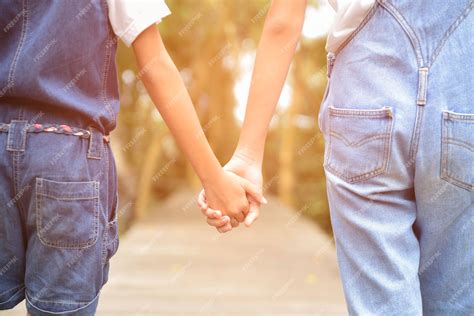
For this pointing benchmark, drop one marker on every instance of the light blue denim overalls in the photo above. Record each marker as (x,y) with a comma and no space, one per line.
(398,120)
(58,197)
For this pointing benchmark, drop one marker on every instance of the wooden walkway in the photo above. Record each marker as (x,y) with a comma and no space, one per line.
(173,264)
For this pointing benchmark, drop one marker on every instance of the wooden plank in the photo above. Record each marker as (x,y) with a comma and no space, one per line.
(172,263)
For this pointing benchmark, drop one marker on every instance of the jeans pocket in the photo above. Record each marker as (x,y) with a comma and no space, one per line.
(457,149)
(359,142)
(67,213)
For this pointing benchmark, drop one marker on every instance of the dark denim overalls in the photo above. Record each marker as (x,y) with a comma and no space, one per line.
(58,102)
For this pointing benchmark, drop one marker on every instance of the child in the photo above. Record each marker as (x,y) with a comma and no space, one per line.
(399,155)
(58,103)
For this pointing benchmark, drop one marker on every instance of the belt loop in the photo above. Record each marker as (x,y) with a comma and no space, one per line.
(422,85)
(95,144)
(16,140)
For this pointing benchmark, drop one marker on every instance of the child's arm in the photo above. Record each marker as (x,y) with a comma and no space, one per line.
(166,88)
(276,48)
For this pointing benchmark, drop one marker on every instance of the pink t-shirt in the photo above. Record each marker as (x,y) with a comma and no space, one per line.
(349,15)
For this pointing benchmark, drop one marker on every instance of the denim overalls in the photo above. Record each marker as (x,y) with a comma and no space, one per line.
(58,102)
(398,121)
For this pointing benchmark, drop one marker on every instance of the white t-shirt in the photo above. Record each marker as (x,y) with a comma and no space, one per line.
(131,17)
(349,15)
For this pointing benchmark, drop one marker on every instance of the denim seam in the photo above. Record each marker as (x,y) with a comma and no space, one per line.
(377,113)
(422,85)
(10,141)
(361,141)
(107,59)
(42,191)
(24,26)
(14,295)
(77,246)
(420,62)
(107,242)
(372,173)
(445,175)
(67,198)
(407,28)
(16,172)
(459,117)
(454,141)
(96,147)
(87,304)
(415,138)
(16,287)
(450,31)
(110,224)
(106,209)
(367,18)
(107,184)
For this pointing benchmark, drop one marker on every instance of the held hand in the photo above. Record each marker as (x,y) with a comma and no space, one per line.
(244,167)
(227,195)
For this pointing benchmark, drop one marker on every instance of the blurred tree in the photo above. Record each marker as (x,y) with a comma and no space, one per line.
(207,39)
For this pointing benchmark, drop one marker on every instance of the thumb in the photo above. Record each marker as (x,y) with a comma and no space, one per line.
(252,190)
(254,211)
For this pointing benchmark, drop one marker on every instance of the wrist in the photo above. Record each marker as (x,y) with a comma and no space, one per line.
(249,156)
(211,176)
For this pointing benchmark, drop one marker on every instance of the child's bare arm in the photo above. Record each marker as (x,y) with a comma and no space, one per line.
(168,92)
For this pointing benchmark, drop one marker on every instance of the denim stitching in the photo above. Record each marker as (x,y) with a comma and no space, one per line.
(60,245)
(16,171)
(367,18)
(60,183)
(444,150)
(459,143)
(377,113)
(360,142)
(104,84)
(107,59)
(422,86)
(87,304)
(415,138)
(105,212)
(106,181)
(16,287)
(96,148)
(107,242)
(407,28)
(450,31)
(14,296)
(459,116)
(445,141)
(386,151)
(67,199)
(11,74)
(10,140)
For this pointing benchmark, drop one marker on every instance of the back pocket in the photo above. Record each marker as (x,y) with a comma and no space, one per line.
(67,213)
(359,143)
(457,161)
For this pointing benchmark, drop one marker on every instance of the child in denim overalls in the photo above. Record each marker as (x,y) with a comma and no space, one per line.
(58,103)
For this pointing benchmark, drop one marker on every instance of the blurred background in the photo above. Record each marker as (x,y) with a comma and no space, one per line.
(170,262)
(213,43)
